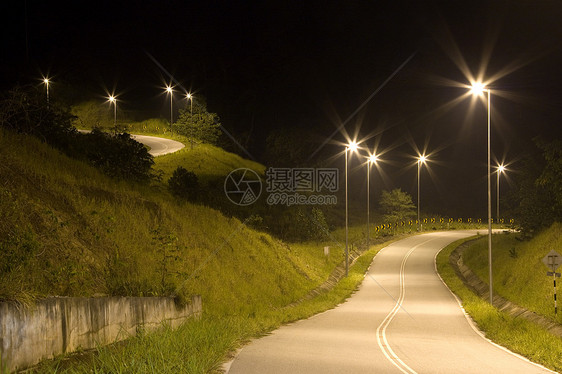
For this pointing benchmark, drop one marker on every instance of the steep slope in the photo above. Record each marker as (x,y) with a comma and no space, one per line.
(66,229)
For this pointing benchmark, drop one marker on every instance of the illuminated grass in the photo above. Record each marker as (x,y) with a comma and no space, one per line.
(517,334)
(206,161)
(519,273)
(201,346)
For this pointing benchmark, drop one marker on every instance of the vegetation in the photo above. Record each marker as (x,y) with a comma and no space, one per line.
(184,184)
(22,110)
(198,124)
(517,334)
(537,201)
(69,230)
(397,206)
(519,273)
(201,346)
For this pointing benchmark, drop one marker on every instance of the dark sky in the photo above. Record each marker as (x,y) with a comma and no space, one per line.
(311,64)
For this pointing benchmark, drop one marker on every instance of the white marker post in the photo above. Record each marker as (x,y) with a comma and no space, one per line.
(553,260)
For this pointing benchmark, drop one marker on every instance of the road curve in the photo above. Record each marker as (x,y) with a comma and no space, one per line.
(158,146)
(403,319)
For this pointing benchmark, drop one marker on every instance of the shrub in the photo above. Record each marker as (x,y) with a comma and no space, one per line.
(117,154)
(184,184)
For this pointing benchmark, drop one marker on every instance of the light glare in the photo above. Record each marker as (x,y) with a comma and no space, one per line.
(352,146)
(477,88)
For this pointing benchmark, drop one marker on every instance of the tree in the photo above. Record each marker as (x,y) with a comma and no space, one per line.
(397,205)
(538,198)
(90,114)
(198,124)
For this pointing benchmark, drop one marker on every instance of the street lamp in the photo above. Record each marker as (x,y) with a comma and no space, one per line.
(478,89)
(421,160)
(500,169)
(46,82)
(113,101)
(189,97)
(170,91)
(352,146)
(371,160)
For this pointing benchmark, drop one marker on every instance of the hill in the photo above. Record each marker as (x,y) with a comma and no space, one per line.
(519,273)
(67,229)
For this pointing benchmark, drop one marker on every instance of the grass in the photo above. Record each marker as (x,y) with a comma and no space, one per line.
(201,346)
(519,273)
(517,334)
(206,161)
(69,230)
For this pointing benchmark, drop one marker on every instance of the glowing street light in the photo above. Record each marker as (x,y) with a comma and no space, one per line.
(478,89)
(372,159)
(170,91)
(46,82)
(351,147)
(113,101)
(189,97)
(421,160)
(500,169)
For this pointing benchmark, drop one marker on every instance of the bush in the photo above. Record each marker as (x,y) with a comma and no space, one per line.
(117,155)
(25,111)
(184,184)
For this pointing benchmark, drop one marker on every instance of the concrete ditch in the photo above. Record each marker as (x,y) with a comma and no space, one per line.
(473,282)
(58,325)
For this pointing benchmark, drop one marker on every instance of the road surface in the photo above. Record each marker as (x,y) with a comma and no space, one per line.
(402,320)
(158,146)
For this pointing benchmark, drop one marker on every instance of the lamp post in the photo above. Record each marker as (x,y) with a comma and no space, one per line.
(371,160)
(170,91)
(500,169)
(352,146)
(421,160)
(46,81)
(478,89)
(189,97)
(113,101)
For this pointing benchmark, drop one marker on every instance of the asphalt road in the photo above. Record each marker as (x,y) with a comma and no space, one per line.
(158,146)
(402,320)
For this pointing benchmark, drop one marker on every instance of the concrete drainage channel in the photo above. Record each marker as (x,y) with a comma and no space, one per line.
(58,325)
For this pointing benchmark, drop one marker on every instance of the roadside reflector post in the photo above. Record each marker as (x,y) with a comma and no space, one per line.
(553,260)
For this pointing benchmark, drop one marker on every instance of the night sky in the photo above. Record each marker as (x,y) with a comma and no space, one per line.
(310,65)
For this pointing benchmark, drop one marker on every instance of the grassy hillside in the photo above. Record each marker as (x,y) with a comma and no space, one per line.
(67,229)
(519,273)
(519,335)
(205,160)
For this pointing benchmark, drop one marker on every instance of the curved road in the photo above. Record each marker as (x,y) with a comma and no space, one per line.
(401,320)
(158,146)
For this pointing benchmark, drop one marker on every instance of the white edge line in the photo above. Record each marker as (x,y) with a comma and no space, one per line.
(473,324)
